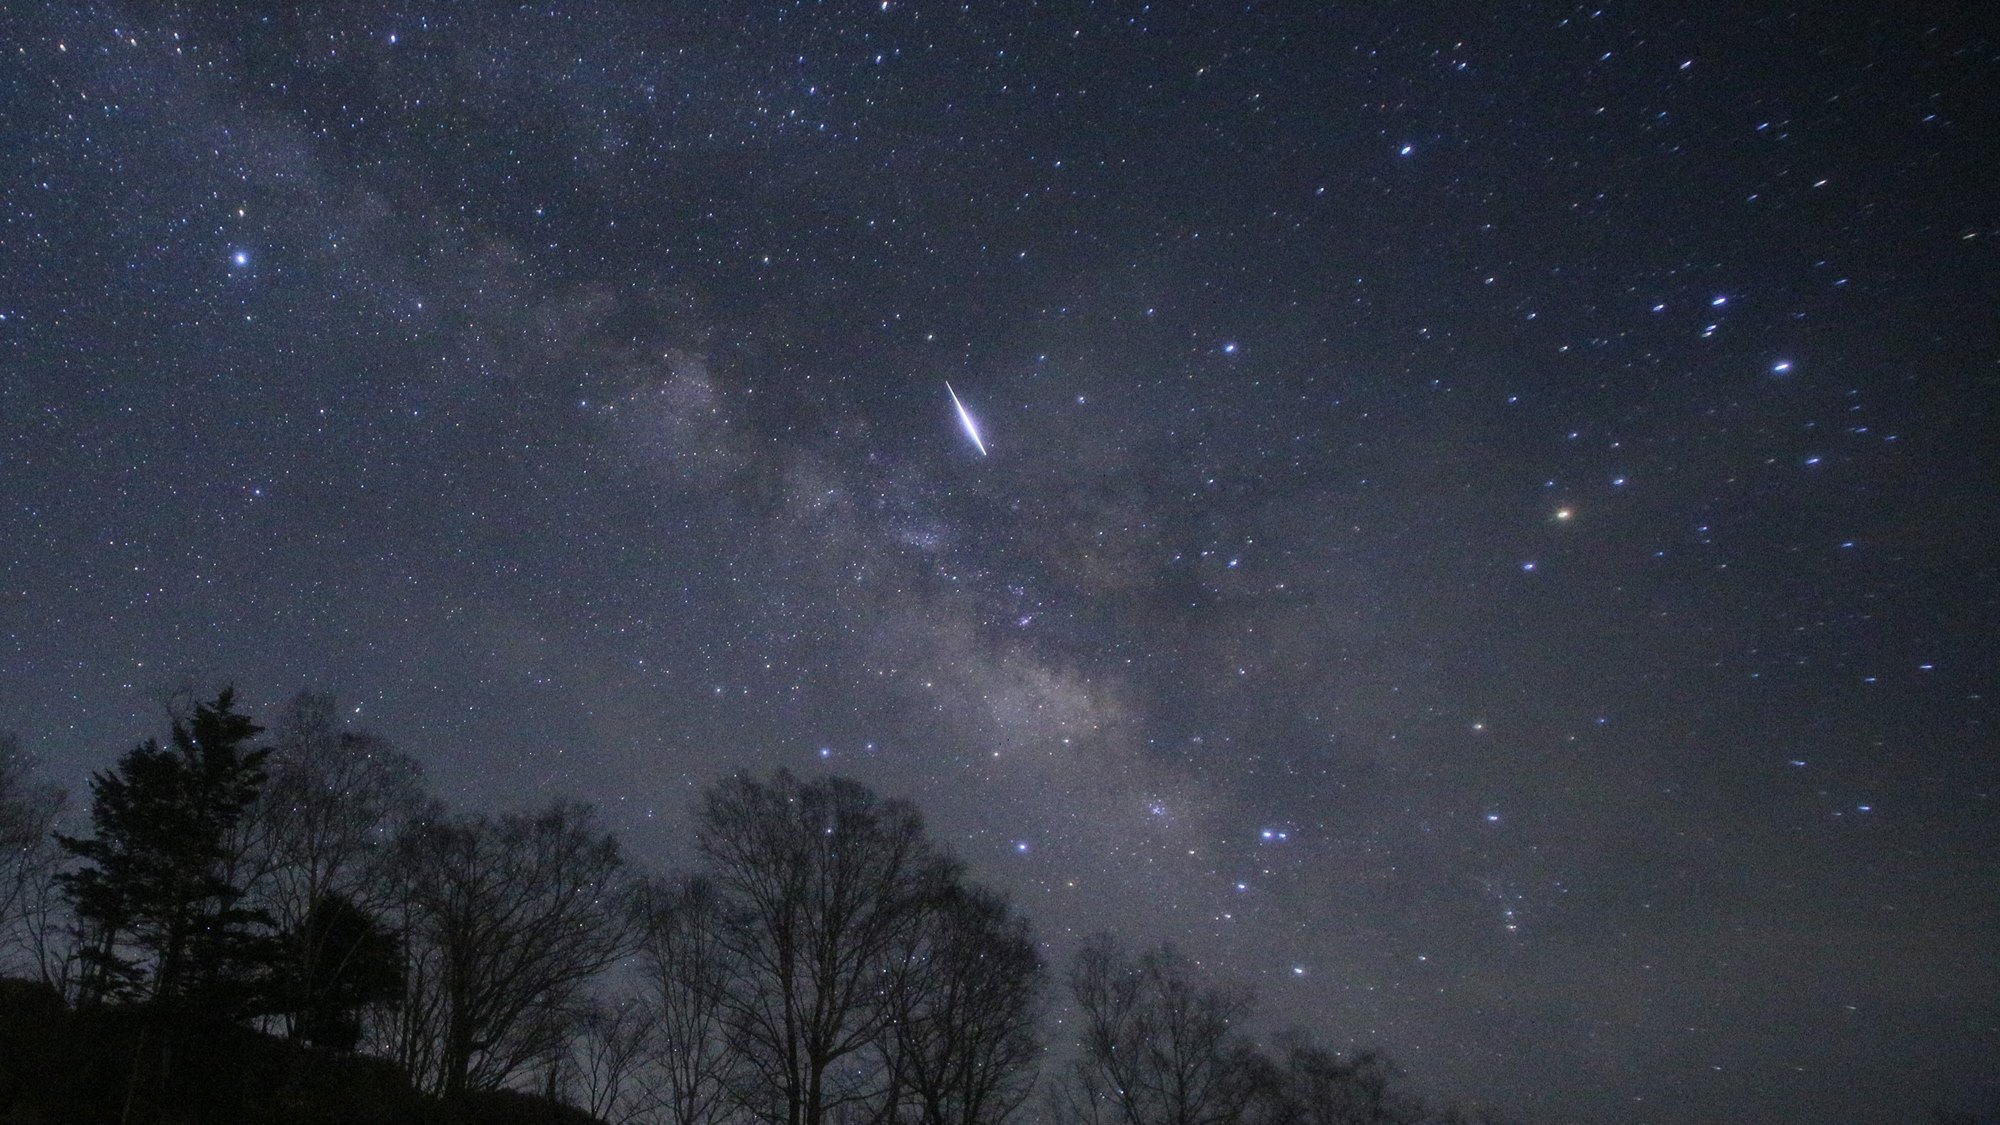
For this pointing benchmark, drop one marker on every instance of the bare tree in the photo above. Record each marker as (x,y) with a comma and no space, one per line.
(610,1047)
(315,848)
(688,971)
(1158,1044)
(30,859)
(333,801)
(411,1030)
(965,1043)
(821,884)
(1317,1086)
(506,919)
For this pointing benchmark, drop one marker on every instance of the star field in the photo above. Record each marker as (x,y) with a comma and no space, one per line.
(1479,523)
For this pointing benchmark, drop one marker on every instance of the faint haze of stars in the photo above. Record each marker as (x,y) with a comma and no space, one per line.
(1457,472)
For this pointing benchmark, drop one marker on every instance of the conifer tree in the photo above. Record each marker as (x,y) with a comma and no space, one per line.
(162,921)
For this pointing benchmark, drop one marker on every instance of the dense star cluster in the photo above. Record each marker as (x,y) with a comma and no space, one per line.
(1477,521)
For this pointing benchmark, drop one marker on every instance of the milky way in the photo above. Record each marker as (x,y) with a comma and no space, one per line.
(1490,535)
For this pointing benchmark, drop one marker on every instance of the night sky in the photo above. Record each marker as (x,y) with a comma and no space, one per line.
(1487,528)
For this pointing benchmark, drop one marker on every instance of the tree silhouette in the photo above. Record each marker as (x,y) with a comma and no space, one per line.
(164,922)
(1316,1086)
(603,1072)
(825,965)
(356,963)
(687,972)
(821,886)
(505,920)
(964,1039)
(313,854)
(29,862)
(1158,1044)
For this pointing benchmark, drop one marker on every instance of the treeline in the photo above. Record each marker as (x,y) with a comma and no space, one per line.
(304,903)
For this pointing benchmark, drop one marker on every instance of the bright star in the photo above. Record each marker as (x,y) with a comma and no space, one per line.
(240,258)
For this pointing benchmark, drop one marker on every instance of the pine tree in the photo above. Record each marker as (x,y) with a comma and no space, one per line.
(163,919)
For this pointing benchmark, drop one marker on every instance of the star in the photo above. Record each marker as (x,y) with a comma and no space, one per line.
(605,468)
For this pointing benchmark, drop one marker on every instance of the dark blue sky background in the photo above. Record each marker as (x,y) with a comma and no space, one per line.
(1489,530)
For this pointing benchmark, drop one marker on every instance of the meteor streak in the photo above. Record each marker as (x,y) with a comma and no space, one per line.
(965,419)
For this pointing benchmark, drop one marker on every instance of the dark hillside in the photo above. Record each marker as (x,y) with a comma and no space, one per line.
(59,1066)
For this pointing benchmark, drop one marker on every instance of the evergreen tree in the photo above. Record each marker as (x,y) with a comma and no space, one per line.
(162,920)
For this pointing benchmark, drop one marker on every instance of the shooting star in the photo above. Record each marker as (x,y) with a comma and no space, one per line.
(965,419)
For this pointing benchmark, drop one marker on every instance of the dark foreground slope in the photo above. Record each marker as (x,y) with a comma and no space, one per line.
(59,1066)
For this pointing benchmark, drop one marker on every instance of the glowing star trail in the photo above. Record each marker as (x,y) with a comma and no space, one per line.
(965,419)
